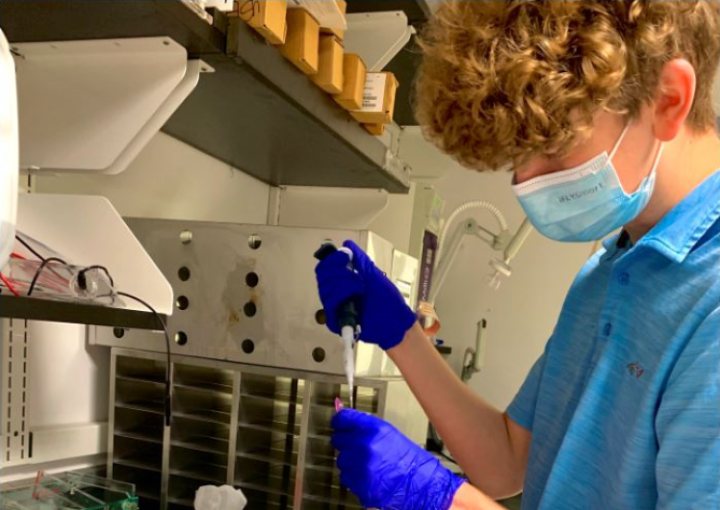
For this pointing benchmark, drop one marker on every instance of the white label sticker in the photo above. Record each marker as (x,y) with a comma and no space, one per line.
(374,92)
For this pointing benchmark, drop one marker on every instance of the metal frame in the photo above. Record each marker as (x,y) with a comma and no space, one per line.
(306,406)
(15,432)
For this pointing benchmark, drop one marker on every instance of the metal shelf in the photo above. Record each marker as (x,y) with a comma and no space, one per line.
(12,307)
(259,113)
(256,112)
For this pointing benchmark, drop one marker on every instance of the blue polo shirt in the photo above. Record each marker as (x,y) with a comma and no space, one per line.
(623,405)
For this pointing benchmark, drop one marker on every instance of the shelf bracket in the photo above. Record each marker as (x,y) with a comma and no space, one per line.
(377,36)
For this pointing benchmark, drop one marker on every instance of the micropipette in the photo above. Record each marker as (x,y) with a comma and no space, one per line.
(348,321)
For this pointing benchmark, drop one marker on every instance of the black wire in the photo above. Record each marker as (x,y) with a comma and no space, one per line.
(82,281)
(168,395)
(244,11)
(44,264)
(28,247)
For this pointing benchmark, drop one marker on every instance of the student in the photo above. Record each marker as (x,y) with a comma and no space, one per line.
(603,111)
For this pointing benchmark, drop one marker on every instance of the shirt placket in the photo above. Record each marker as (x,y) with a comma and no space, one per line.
(618,284)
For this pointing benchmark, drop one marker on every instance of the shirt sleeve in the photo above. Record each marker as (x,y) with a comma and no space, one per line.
(522,408)
(688,425)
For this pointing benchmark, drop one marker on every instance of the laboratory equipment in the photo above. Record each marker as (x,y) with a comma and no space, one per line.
(448,247)
(474,357)
(503,241)
(9,158)
(247,293)
(348,320)
(70,491)
(261,429)
(52,278)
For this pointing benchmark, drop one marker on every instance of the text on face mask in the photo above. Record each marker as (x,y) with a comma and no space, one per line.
(580,194)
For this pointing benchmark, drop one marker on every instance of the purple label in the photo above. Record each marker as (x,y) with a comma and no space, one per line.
(427,266)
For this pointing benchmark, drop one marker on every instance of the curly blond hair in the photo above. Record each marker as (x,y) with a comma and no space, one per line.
(503,81)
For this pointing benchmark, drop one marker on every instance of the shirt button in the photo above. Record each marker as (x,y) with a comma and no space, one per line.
(624,278)
(607,329)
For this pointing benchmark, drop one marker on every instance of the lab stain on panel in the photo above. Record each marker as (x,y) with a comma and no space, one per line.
(243,302)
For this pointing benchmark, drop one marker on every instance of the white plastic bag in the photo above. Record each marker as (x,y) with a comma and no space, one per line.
(9,158)
(225,497)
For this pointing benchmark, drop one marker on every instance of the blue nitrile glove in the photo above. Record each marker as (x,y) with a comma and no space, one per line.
(384,315)
(385,469)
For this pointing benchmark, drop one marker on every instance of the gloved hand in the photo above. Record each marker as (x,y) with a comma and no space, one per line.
(384,315)
(385,469)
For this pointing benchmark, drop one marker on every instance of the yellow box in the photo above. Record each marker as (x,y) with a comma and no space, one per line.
(375,129)
(378,99)
(355,72)
(330,68)
(303,39)
(339,33)
(268,17)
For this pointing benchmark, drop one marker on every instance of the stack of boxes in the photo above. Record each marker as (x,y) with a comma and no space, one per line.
(318,52)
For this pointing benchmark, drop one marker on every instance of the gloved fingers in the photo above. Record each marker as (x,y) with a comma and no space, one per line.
(331,282)
(351,459)
(335,259)
(337,285)
(337,276)
(360,260)
(340,441)
(351,420)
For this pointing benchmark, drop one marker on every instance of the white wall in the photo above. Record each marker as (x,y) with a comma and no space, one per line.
(68,381)
(393,224)
(522,313)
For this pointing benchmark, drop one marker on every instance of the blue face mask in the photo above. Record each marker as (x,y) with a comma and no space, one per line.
(585,203)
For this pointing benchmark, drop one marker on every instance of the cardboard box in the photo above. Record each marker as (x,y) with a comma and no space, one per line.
(330,67)
(303,40)
(339,33)
(328,13)
(355,73)
(267,17)
(375,129)
(378,99)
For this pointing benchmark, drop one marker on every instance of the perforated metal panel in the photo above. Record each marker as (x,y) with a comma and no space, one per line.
(247,293)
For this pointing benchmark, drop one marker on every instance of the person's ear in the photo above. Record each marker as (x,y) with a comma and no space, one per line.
(674,99)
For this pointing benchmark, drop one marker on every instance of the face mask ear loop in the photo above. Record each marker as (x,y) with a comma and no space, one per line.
(619,142)
(657,158)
